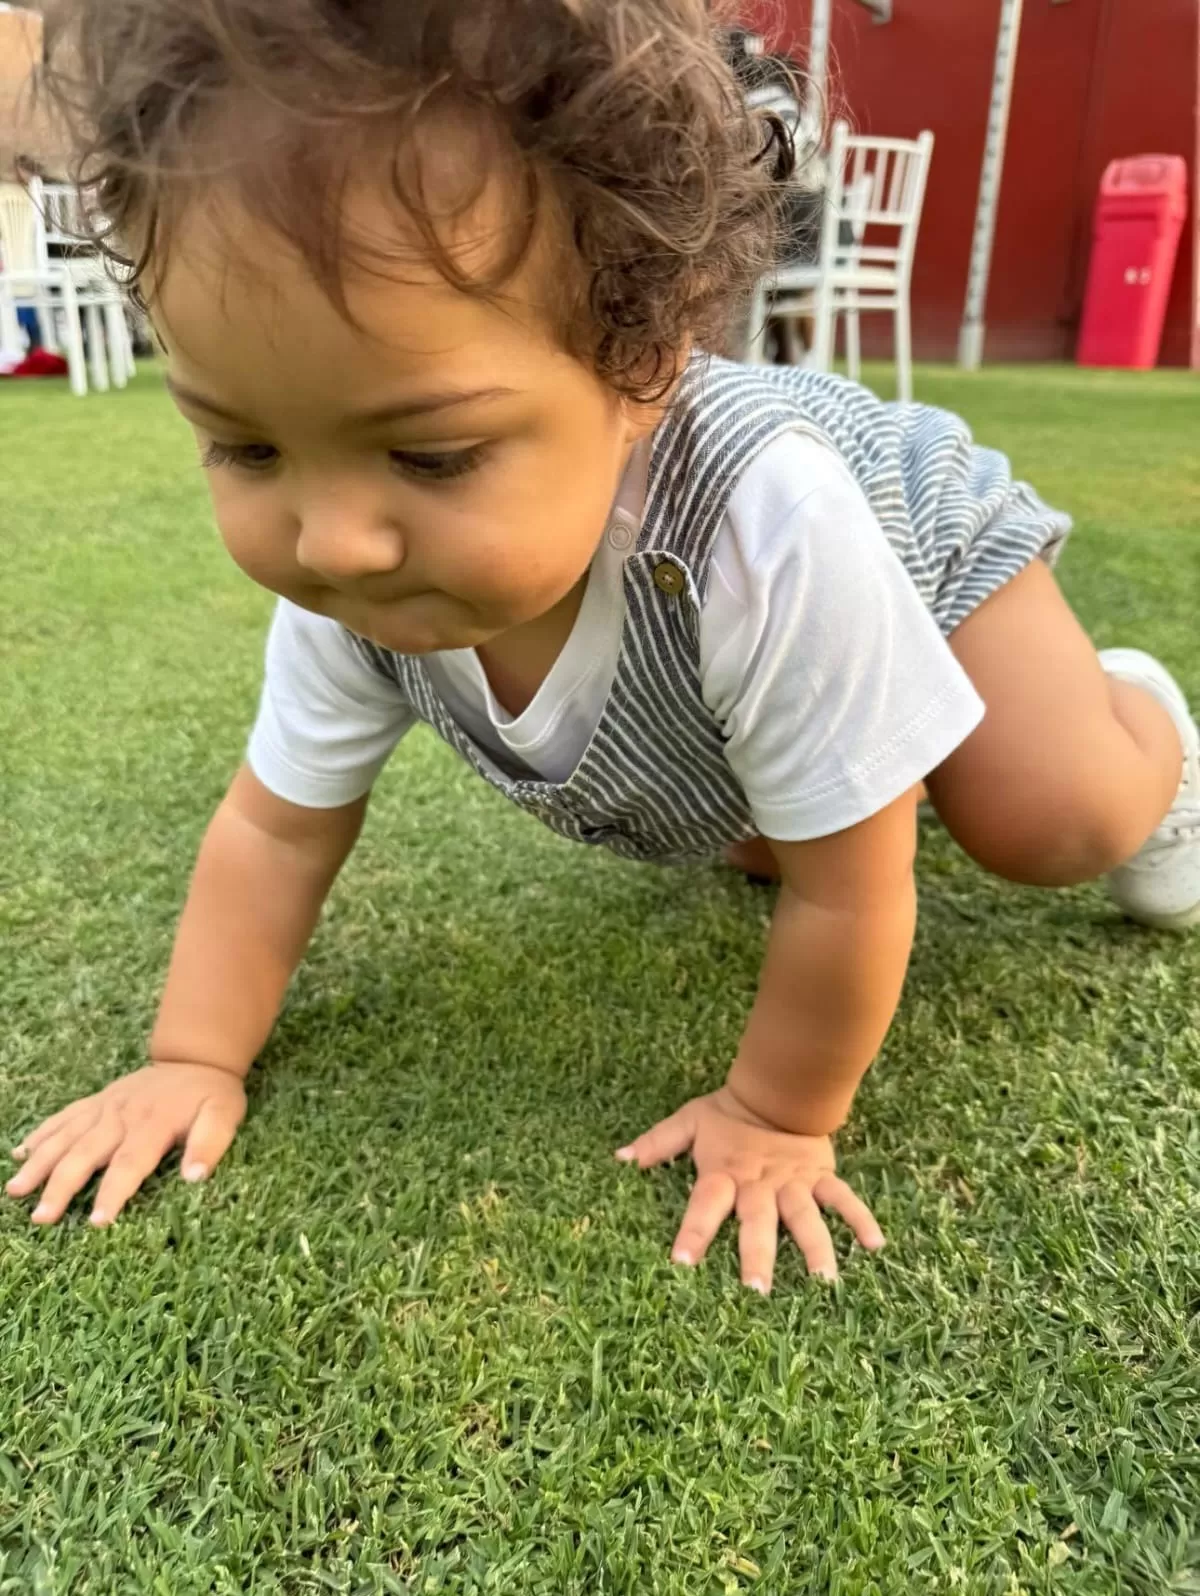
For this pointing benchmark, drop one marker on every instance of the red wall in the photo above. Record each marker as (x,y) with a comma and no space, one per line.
(1095,79)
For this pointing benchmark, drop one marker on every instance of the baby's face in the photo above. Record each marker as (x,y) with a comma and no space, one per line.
(431,477)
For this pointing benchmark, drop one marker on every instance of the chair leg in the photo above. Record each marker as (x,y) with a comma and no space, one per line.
(10,326)
(127,355)
(853,345)
(73,336)
(114,337)
(794,351)
(904,371)
(97,359)
(48,321)
(824,330)
(756,339)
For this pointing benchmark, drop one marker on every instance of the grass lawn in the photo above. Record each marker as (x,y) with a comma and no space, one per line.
(421,1332)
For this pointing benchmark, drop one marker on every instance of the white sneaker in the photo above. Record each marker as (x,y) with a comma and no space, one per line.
(1160,886)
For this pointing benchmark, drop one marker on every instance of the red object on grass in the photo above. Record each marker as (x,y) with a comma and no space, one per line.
(1139,219)
(39,363)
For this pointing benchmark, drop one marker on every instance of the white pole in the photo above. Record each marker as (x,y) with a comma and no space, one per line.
(971,337)
(818,58)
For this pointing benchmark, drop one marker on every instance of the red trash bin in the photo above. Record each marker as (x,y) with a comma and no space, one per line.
(1139,219)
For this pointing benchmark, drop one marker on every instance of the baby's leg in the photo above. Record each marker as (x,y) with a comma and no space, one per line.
(754,859)
(1071,770)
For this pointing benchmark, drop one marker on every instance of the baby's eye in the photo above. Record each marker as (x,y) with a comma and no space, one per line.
(246,456)
(443,467)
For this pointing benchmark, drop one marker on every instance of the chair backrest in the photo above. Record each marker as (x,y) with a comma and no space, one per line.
(877,185)
(61,235)
(18,229)
(62,216)
(852,229)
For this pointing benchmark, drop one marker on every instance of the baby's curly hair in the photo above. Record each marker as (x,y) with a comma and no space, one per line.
(620,117)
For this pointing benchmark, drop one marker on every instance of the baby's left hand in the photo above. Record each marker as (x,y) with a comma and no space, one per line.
(744,1163)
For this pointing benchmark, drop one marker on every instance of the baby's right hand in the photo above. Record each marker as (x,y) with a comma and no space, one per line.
(130,1126)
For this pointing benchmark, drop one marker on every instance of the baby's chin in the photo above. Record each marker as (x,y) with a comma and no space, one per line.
(411,628)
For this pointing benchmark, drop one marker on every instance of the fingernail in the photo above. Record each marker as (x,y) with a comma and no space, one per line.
(20,1152)
(877,1243)
(194,1172)
(682,1256)
(826,1274)
(14,1185)
(40,1212)
(98,1217)
(758,1285)
(624,1154)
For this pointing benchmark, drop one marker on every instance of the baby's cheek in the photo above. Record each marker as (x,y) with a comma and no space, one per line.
(528,572)
(251,535)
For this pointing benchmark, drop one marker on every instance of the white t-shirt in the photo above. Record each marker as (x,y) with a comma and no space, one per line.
(829,678)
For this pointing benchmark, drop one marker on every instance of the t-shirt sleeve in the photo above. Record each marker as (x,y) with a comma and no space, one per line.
(830,679)
(327,723)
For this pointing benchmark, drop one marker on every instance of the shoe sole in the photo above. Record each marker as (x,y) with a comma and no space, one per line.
(1188,920)
(1142,670)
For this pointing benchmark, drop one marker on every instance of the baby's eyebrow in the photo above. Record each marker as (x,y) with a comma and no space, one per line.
(418,405)
(188,396)
(425,404)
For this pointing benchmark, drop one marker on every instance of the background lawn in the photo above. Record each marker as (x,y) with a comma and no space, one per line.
(421,1332)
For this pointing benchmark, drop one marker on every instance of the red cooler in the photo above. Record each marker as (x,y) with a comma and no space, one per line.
(1139,218)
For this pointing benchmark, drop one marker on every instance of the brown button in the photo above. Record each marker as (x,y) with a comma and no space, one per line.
(668,578)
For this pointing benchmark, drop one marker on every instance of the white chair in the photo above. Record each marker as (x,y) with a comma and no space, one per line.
(851,229)
(60,211)
(43,264)
(18,253)
(63,241)
(877,188)
(27,279)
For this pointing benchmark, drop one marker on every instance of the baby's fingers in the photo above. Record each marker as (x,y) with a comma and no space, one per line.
(143,1147)
(663,1141)
(210,1137)
(758,1234)
(49,1150)
(711,1203)
(831,1192)
(76,1165)
(803,1218)
(50,1126)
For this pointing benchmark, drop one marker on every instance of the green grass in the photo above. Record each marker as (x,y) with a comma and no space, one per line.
(421,1332)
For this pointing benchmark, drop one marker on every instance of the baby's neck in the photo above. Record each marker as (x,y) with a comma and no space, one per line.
(516,663)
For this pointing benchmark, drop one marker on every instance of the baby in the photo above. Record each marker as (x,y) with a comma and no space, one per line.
(433,280)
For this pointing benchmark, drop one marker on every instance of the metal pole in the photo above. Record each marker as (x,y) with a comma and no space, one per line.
(818,57)
(971,337)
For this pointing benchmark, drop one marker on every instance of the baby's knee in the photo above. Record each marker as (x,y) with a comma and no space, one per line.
(1052,839)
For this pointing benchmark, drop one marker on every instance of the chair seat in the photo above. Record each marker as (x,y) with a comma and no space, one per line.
(881,278)
(93,287)
(796,280)
(806,280)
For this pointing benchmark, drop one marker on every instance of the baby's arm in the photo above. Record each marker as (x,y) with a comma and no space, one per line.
(836,961)
(263,872)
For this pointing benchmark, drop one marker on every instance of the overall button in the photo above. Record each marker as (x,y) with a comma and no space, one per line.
(668,579)
(621,533)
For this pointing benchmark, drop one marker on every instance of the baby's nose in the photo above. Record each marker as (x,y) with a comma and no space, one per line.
(343,544)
